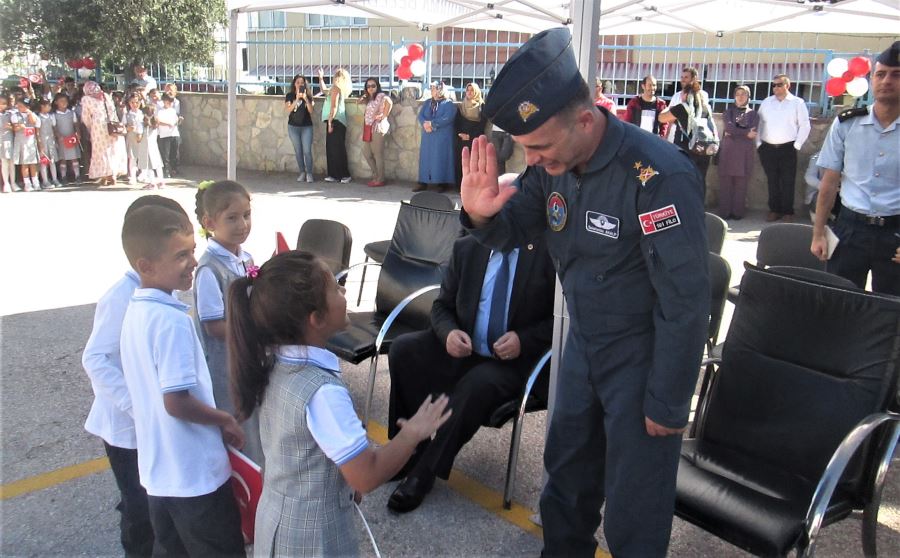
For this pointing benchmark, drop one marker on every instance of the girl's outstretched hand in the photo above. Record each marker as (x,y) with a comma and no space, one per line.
(482,195)
(428,418)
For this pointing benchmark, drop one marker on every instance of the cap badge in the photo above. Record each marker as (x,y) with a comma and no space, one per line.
(526,110)
(644,173)
(556,212)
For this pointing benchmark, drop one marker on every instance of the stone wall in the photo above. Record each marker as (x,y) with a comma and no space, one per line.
(263,143)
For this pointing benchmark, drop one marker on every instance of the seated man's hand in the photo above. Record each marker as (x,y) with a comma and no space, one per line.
(508,346)
(459,344)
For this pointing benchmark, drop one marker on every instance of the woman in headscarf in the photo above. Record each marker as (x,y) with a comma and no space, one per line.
(436,148)
(334,114)
(470,123)
(737,154)
(108,155)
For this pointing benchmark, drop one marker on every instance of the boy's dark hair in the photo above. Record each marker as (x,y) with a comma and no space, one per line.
(146,230)
(215,198)
(166,98)
(269,310)
(24,101)
(43,103)
(153,199)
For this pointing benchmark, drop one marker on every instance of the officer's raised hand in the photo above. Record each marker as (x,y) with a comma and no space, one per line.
(482,195)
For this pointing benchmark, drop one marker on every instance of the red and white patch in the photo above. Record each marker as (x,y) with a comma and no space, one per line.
(659,219)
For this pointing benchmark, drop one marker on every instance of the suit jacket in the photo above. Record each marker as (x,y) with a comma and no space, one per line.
(530,304)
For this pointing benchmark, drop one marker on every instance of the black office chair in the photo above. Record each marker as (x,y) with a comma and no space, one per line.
(329,240)
(375,251)
(783,244)
(719,278)
(716,227)
(797,430)
(533,398)
(407,285)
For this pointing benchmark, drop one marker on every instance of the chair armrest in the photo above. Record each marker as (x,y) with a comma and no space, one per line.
(532,378)
(343,273)
(839,460)
(389,321)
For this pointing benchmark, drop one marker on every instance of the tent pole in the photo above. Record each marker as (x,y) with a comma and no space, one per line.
(231,108)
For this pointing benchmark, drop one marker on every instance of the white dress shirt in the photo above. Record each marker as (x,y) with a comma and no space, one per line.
(785,121)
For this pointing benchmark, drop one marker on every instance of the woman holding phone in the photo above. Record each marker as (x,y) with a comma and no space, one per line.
(298,104)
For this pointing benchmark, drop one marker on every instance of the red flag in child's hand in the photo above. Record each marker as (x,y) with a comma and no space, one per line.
(281,243)
(246,481)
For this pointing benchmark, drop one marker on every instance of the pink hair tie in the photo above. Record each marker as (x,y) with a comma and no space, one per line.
(252,271)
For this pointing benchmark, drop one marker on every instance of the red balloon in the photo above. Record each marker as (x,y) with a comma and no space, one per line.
(416,51)
(74,63)
(848,76)
(406,61)
(88,63)
(403,72)
(835,87)
(859,66)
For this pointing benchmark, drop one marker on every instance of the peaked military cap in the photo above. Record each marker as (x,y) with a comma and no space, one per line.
(890,56)
(535,83)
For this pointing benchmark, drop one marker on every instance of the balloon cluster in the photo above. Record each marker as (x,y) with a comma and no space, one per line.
(849,77)
(409,61)
(86,63)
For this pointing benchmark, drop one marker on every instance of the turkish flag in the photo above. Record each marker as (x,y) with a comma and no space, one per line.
(28,132)
(70,141)
(246,481)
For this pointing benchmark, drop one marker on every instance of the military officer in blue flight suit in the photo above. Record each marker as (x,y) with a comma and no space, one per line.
(622,212)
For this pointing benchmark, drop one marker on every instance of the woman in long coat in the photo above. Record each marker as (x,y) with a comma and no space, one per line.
(108,155)
(737,154)
(436,164)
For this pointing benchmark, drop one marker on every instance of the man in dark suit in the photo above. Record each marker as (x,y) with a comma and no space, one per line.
(490,323)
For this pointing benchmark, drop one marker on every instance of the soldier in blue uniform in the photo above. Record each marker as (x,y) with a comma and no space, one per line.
(622,212)
(861,156)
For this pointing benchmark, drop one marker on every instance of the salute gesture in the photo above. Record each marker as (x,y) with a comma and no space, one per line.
(483,195)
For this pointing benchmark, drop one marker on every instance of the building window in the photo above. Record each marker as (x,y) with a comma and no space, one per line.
(322,21)
(267,20)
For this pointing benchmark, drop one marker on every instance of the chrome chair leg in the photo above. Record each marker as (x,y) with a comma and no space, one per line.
(512,462)
(373,366)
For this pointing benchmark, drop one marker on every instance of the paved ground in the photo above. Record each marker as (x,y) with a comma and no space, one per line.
(63,251)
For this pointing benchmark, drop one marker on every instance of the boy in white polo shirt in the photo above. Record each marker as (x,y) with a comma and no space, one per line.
(111,417)
(182,459)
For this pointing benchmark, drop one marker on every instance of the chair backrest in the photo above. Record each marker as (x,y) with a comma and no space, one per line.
(814,275)
(329,240)
(787,244)
(422,242)
(719,280)
(716,227)
(803,363)
(432,200)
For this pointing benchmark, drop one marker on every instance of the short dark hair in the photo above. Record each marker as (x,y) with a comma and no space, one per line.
(147,229)
(154,199)
(648,76)
(167,98)
(582,100)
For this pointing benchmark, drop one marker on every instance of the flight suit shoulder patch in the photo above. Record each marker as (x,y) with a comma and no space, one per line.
(852,113)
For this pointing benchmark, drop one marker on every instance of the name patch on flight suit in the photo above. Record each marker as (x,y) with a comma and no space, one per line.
(556,212)
(659,219)
(605,225)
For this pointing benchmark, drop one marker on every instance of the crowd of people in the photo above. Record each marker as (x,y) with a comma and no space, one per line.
(54,133)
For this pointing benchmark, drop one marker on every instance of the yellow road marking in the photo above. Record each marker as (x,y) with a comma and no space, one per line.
(59,476)
(489,499)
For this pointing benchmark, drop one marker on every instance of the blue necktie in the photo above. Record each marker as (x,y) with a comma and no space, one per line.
(498,303)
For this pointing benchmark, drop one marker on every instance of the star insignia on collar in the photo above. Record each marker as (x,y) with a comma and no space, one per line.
(645,174)
(638,165)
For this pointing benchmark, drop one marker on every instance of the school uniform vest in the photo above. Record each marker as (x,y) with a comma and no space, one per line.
(306,507)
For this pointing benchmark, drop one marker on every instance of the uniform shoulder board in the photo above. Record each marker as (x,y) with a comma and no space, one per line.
(852,113)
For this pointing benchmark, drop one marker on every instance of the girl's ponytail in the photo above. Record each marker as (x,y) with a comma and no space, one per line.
(248,363)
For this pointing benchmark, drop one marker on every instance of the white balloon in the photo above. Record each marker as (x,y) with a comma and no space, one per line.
(399,54)
(858,87)
(837,67)
(84,73)
(417,68)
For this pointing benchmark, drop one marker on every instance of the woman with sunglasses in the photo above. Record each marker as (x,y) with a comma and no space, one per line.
(376,126)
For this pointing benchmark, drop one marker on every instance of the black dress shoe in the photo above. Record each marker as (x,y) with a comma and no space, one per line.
(409,494)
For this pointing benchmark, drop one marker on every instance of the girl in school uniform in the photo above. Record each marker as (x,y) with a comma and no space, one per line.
(223,211)
(134,130)
(147,154)
(26,125)
(68,138)
(48,147)
(317,452)
(7,141)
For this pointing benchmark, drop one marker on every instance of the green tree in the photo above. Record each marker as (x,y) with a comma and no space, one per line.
(117,31)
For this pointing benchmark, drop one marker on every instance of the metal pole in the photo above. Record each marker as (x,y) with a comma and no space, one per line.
(231,141)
